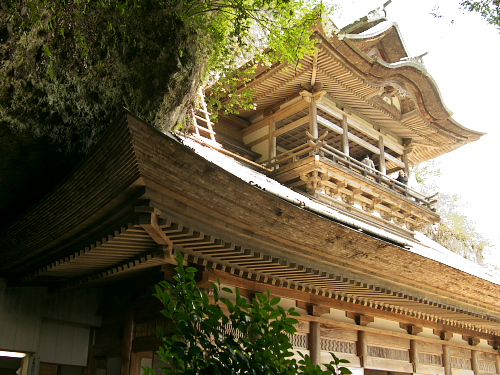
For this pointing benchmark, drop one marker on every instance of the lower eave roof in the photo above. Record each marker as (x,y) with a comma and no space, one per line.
(140,192)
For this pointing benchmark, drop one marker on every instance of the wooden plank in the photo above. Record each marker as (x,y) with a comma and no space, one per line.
(291,126)
(359,125)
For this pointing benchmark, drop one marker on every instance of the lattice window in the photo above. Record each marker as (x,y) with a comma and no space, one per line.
(150,329)
(487,367)
(464,363)
(399,355)
(299,340)
(338,346)
(430,359)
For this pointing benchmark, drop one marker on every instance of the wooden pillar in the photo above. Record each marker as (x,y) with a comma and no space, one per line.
(414,355)
(314,343)
(381,160)
(405,161)
(474,360)
(128,337)
(497,363)
(345,136)
(313,118)
(446,360)
(362,346)
(272,138)
(91,363)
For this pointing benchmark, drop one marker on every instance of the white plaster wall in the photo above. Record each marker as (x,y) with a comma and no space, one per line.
(54,327)
(63,343)
(19,317)
(387,325)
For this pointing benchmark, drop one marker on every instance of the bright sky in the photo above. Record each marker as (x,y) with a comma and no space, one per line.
(464,60)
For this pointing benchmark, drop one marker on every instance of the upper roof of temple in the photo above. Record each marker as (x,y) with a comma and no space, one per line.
(369,76)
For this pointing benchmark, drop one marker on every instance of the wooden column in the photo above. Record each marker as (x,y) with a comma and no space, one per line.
(446,360)
(345,135)
(381,160)
(362,346)
(314,343)
(474,360)
(313,118)
(497,363)
(272,138)
(405,161)
(128,337)
(414,354)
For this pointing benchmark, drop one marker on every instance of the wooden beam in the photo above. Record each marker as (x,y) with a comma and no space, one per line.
(291,126)
(359,124)
(278,115)
(440,329)
(147,218)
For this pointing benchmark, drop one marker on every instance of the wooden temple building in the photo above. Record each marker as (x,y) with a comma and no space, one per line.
(277,197)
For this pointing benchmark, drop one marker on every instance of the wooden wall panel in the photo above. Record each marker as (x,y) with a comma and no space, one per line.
(64,343)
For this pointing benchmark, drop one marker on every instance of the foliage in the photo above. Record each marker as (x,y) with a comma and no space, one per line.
(251,338)
(68,66)
(488,9)
(455,231)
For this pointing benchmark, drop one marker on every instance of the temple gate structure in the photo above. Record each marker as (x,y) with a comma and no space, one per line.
(278,197)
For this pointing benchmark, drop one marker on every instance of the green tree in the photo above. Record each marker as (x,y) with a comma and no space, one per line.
(455,231)
(228,336)
(488,9)
(68,66)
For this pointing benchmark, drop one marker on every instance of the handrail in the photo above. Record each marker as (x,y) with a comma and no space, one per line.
(297,151)
(378,176)
(351,163)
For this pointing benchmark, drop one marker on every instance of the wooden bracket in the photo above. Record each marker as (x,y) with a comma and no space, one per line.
(147,218)
(444,335)
(411,328)
(313,309)
(360,319)
(473,341)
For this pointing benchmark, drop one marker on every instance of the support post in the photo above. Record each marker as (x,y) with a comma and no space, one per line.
(272,139)
(363,348)
(345,136)
(405,161)
(313,118)
(446,360)
(474,360)
(414,355)
(128,337)
(381,161)
(315,343)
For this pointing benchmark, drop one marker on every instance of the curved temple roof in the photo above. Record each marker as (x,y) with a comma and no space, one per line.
(369,77)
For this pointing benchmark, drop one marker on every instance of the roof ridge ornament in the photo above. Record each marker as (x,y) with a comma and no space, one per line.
(373,18)
(378,12)
(416,59)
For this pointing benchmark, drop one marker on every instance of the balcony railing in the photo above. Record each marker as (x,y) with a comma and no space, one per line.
(323,150)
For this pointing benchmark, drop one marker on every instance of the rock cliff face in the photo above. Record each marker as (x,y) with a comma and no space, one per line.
(29,168)
(62,83)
